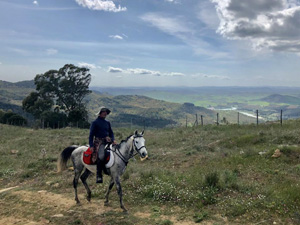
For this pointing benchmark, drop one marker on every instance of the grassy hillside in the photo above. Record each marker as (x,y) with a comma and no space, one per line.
(286,99)
(218,175)
(127,110)
(137,110)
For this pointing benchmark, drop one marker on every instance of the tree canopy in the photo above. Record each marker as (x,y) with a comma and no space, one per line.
(65,88)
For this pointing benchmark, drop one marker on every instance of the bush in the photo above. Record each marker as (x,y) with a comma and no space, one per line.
(212,179)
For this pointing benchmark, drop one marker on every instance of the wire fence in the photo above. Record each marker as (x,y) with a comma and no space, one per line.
(224,121)
(199,120)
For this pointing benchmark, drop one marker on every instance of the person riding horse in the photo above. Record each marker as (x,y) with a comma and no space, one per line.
(100,134)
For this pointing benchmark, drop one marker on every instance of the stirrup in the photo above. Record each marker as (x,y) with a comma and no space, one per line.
(99,180)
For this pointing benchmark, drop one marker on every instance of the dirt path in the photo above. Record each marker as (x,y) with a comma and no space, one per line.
(44,205)
(7,189)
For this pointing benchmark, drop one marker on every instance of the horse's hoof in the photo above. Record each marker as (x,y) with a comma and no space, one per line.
(89,199)
(125,211)
(78,202)
(106,204)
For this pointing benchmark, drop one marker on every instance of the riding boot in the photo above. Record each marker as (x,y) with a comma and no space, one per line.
(99,178)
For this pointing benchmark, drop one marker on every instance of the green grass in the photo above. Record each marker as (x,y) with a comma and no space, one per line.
(199,171)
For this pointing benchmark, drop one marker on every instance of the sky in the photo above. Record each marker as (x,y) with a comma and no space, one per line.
(137,43)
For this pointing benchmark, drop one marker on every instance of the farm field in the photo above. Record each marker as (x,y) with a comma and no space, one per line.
(207,175)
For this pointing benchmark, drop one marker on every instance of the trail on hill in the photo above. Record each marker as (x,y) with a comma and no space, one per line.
(58,206)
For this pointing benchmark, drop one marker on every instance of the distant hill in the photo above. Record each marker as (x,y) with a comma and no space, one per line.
(286,99)
(21,84)
(139,110)
(127,110)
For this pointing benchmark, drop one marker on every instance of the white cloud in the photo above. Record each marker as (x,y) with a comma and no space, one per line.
(174,74)
(116,37)
(202,75)
(172,1)
(35,2)
(216,77)
(114,70)
(104,5)
(184,31)
(272,24)
(171,25)
(87,65)
(141,71)
(51,51)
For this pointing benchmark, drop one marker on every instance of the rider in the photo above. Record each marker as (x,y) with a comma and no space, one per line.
(100,134)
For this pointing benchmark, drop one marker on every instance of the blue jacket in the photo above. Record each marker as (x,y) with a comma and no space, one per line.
(100,128)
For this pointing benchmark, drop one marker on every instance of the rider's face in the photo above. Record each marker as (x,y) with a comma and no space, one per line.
(103,114)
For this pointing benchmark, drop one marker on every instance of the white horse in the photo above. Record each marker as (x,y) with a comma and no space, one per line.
(121,154)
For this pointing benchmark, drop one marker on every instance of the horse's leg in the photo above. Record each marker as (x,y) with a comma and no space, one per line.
(77,171)
(108,190)
(119,189)
(83,178)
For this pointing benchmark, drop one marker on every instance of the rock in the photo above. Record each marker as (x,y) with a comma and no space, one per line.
(44,221)
(56,185)
(262,153)
(14,151)
(58,215)
(71,168)
(49,183)
(42,191)
(276,154)
(242,152)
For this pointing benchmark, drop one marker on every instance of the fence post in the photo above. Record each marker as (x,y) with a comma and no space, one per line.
(238,118)
(202,120)
(217,119)
(186,121)
(196,119)
(281,117)
(257,117)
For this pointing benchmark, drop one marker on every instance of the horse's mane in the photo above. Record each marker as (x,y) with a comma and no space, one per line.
(126,139)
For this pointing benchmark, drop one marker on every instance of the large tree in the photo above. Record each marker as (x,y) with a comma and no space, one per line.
(66,87)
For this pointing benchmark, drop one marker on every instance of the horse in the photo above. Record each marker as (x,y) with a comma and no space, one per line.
(122,153)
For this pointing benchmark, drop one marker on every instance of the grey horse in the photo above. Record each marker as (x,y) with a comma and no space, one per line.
(121,153)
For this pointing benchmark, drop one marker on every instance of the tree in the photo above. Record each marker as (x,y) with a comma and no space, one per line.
(65,88)
(36,104)
(12,118)
(68,86)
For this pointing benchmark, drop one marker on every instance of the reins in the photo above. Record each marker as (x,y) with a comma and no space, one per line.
(131,155)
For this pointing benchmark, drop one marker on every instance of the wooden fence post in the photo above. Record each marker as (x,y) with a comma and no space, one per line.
(217,119)
(256,117)
(281,117)
(238,118)
(201,120)
(186,121)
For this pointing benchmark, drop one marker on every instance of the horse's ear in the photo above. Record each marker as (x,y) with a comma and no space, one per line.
(142,133)
(136,133)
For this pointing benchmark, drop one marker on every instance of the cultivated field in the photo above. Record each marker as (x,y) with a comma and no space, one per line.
(207,175)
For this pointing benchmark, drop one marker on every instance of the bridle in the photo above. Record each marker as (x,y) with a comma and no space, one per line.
(131,155)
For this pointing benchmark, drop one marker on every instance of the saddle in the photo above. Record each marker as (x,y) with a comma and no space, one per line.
(108,158)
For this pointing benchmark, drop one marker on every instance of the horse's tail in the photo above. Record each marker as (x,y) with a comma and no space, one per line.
(64,157)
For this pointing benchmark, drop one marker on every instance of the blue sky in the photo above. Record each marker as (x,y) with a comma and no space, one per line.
(154,42)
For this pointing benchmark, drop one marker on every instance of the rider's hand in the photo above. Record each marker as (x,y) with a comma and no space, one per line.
(114,143)
(92,149)
(108,139)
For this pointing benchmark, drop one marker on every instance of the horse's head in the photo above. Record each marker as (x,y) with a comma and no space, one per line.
(139,144)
